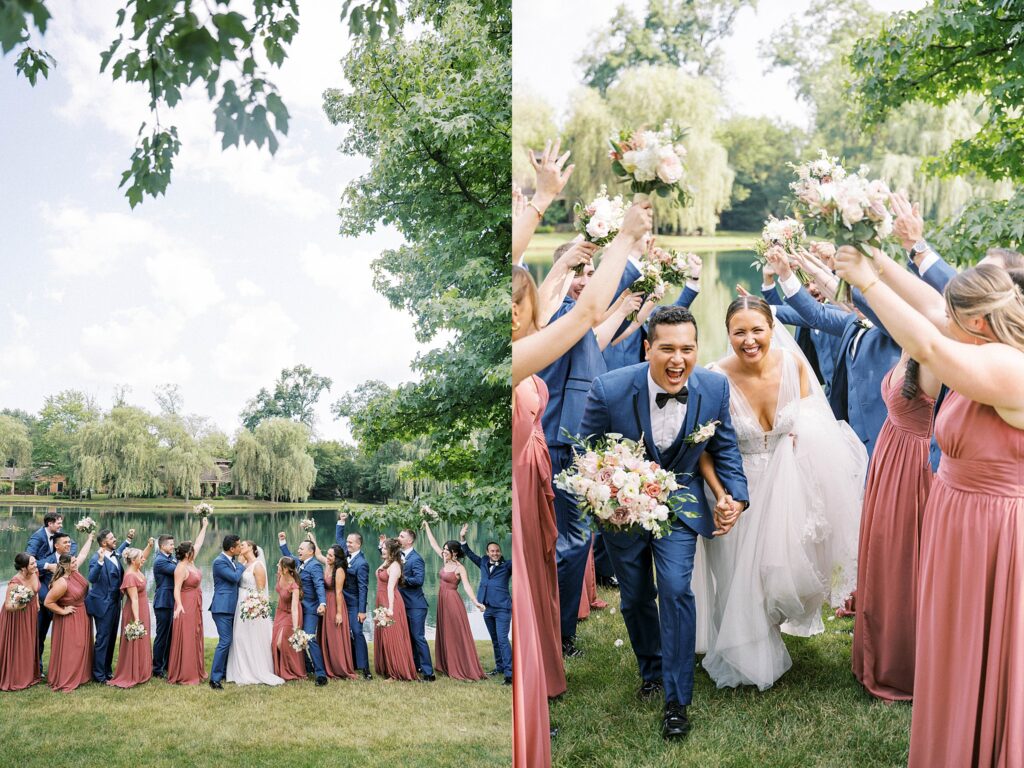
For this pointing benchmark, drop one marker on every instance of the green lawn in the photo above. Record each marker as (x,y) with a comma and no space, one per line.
(346,723)
(164,503)
(543,245)
(816,715)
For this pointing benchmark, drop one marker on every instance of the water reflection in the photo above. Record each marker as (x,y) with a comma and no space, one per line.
(18,522)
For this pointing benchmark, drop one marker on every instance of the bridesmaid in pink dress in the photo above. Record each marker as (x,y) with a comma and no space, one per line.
(537,669)
(887,558)
(19,649)
(71,644)
(186,663)
(392,647)
(288,663)
(135,657)
(969,661)
(333,634)
(589,599)
(455,650)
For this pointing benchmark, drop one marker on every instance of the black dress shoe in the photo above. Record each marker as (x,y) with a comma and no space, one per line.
(494,672)
(608,581)
(508,681)
(675,724)
(367,675)
(216,686)
(649,689)
(321,681)
(429,678)
(569,649)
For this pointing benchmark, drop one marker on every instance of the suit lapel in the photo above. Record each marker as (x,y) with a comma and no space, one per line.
(642,413)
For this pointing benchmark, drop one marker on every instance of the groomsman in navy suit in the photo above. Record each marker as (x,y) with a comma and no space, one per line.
(227,574)
(414,572)
(314,602)
(356,589)
(568,380)
(40,543)
(495,573)
(163,599)
(62,545)
(663,403)
(103,601)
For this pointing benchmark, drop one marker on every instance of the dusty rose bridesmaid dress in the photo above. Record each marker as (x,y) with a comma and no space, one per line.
(71,644)
(19,648)
(134,657)
(392,648)
(288,663)
(186,663)
(969,676)
(335,639)
(455,651)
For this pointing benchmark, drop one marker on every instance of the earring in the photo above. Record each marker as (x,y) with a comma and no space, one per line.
(516,326)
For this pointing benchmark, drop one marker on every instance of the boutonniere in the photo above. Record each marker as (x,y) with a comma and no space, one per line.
(703,432)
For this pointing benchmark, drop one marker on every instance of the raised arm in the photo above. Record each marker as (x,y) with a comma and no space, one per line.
(197,545)
(433,542)
(149,548)
(556,283)
(84,553)
(466,548)
(627,304)
(320,556)
(534,352)
(551,178)
(282,544)
(339,530)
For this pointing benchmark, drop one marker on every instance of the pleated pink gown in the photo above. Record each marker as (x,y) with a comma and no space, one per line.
(19,648)
(969,676)
(335,639)
(887,559)
(134,657)
(186,663)
(71,646)
(455,651)
(288,663)
(392,648)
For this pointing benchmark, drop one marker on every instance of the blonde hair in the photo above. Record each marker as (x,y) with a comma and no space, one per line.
(131,554)
(988,291)
(523,287)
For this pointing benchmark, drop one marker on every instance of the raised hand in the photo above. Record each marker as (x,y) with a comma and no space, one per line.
(281,537)
(695,264)
(131,534)
(101,553)
(343,517)
(580,253)
(463,531)
(632,303)
(779,260)
(551,177)
(852,267)
(637,221)
(824,253)
(908,225)
(519,202)
(741,291)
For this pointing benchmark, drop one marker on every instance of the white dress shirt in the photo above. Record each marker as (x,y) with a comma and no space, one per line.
(665,422)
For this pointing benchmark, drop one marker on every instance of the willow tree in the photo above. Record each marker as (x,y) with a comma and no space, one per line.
(15,444)
(647,96)
(183,458)
(273,461)
(120,451)
(533,123)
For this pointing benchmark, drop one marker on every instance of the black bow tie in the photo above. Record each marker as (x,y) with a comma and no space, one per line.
(663,397)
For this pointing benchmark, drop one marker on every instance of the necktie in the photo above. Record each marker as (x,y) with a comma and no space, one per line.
(663,397)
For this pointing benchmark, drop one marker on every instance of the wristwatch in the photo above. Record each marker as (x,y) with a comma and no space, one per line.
(918,248)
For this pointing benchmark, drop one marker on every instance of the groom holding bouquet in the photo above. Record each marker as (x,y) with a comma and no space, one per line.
(679,411)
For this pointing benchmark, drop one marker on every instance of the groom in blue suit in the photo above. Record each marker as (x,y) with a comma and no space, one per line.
(314,601)
(357,582)
(103,602)
(663,403)
(227,574)
(414,574)
(495,574)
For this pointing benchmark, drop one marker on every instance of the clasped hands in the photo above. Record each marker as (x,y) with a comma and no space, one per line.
(726,512)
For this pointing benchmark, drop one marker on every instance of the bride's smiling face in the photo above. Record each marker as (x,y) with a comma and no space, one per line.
(750,335)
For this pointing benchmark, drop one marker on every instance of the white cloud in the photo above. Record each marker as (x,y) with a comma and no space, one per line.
(139,346)
(84,242)
(254,345)
(183,280)
(248,289)
(18,322)
(18,358)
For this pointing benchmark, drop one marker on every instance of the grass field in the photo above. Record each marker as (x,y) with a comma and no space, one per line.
(163,503)
(346,723)
(543,245)
(816,715)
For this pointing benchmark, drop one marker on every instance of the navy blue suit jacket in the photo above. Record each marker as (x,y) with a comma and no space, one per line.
(226,577)
(163,576)
(825,344)
(414,572)
(39,544)
(105,581)
(619,403)
(357,581)
(311,574)
(493,590)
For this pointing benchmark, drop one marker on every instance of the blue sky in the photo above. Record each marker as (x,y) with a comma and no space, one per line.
(236,273)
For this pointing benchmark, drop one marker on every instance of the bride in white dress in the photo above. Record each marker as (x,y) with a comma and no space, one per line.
(250,660)
(795,547)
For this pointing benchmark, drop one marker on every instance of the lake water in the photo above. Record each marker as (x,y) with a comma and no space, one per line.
(17,523)
(721,272)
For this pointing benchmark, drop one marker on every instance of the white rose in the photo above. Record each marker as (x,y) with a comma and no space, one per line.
(852,213)
(598,228)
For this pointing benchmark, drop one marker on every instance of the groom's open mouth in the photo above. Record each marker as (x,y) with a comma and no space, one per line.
(675,376)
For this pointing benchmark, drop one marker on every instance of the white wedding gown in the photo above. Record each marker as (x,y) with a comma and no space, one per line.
(794,548)
(250,660)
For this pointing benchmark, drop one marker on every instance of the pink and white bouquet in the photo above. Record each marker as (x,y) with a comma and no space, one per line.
(845,208)
(788,234)
(134,630)
(427,513)
(614,481)
(203,509)
(600,220)
(19,596)
(308,524)
(85,525)
(659,268)
(254,606)
(652,162)
(299,640)
(383,617)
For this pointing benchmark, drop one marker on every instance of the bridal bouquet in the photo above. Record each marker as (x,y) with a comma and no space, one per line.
(846,208)
(19,596)
(651,161)
(299,640)
(787,233)
(134,630)
(659,268)
(308,524)
(383,617)
(427,513)
(600,221)
(85,525)
(203,509)
(615,482)
(255,606)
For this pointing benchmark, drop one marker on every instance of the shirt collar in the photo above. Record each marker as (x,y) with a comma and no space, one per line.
(353,555)
(406,552)
(652,386)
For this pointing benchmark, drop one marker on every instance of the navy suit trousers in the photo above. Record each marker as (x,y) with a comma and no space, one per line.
(572,547)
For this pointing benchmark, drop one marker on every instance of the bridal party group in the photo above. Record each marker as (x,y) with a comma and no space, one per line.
(96,600)
(872,460)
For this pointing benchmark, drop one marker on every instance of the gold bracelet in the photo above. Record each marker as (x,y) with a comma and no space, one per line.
(868,287)
(540,213)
